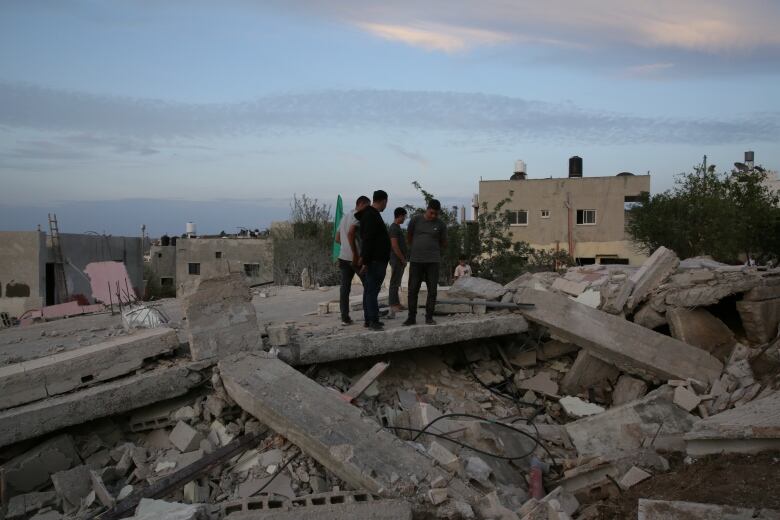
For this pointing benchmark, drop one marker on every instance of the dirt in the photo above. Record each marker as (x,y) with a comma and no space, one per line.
(735,480)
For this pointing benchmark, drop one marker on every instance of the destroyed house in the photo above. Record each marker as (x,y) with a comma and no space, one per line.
(586,215)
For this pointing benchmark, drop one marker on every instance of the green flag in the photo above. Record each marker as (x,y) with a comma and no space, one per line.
(336,223)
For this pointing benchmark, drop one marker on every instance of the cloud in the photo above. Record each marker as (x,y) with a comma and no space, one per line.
(489,117)
(436,37)
(407,154)
(647,70)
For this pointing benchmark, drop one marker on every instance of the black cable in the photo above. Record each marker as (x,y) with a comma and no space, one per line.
(278,472)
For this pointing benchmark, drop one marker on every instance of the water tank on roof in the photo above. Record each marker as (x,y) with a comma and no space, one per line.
(520,171)
(575,166)
(625,174)
(190,229)
(165,240)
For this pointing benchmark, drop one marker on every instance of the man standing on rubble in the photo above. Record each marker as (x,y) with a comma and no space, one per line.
(374,256)
(397,260)
(347,236)
(427,238)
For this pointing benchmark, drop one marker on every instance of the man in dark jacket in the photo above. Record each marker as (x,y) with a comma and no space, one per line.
(374,255)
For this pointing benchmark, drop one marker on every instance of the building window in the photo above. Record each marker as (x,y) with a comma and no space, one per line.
(166,282)
(159,255)
(218,254)
(252,270)
(613,260)
(518,218)
(194,268)
(586,217)
(545,213)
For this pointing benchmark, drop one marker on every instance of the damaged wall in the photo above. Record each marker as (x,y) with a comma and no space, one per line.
(22,271)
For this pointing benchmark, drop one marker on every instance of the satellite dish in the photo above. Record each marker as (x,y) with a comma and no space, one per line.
(741,166)
(759,168)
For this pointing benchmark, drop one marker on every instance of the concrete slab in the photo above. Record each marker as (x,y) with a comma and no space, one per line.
(677,510)
(357,450)
(698,327)
(653,419)
(587,372)
(33,469)
(323,506)
(119,396)
(628,389)
(349,345)
(657,268)
(749,428)
(36,379)
(626,345)
(760,319)
(221,319)
(477,288)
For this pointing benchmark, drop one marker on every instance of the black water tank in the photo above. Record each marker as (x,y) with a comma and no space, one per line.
(575,166)
(165,240)
(173,241)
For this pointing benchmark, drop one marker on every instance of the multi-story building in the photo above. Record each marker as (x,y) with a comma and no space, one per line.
(583,215)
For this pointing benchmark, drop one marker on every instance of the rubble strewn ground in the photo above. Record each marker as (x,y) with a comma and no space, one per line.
(619,392)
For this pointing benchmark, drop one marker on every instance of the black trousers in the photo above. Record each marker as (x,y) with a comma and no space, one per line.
(347,273)
(429,273)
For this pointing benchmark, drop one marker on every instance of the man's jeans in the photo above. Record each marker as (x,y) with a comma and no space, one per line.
(372,283)
(396,275)
(419,272)
(347,273)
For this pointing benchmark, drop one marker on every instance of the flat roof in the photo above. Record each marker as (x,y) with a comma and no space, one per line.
(565,178)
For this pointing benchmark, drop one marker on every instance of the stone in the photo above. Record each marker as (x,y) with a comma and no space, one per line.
(221,318)
(698,327)
(652,419)
(576,407)
(654,271)
(444,457)
(541,384)
(677,510)
(628,389)
(619,342)
(437,496)
(23,505)
(760,319)
(63,372)
(149,509)
(194,493)
(478,470)
(633,477)
(32,469)
(72,485)
(569,287)
(648,317)
(686,399)
(185,437)
(476,288)
(588,372)
(47,515)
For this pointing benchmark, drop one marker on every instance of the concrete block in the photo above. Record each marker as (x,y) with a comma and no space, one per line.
(326,428)
(55,374)
(698,327)
(437,496)
(633,477)
(633,425)
(21,506)
(569,287)
(760,319)
(686,399)
(72,486)
(149,509)
(32,469)
(587,372)
(444,457)
(676,510)
(476,288)
(656,269)
(768,289)
(194,493)
(323,507)
(111,398)
(626,345)
(185,437)
(48,515)
(221,318)
(478,470)
(576,407)
(326,348)
(102,494)
(648,317)
(541,384)
(628,389)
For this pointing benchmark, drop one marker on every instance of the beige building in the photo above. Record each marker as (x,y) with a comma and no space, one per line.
(586,215)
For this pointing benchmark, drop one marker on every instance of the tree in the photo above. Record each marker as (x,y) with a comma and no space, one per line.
(722,215)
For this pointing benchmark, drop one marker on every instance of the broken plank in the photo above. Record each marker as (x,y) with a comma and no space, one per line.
(628,346)
(358,450)
(364,382)
(119,396)
(56,374)
(307,350)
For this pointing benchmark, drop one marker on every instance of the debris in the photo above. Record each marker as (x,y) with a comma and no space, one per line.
(143,316)
(628,389)
(72,485)
(185,438)
(444,457)
(24,505)
(686,399)
(654,271)
(542,384)
(698,327)
(477,469)
(364,382)
(576,407)
(676,510)
(437,496)
(587,372)
(476,288)
(32,469)
(633,477)
(162,510)
(760,319)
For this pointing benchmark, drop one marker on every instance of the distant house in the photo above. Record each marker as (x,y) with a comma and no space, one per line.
(584,215)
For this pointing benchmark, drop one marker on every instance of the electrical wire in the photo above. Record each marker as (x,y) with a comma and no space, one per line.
(278,472)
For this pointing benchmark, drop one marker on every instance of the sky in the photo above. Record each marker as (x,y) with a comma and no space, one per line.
(116,114)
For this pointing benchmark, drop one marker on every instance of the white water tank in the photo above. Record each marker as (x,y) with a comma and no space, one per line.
(520,166)
(190,229)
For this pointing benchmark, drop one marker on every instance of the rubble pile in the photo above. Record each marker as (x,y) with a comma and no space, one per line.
(545,398)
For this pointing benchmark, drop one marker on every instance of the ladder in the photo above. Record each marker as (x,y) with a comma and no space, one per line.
(60,284)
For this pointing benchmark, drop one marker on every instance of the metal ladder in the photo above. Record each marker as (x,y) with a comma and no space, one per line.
(60,284)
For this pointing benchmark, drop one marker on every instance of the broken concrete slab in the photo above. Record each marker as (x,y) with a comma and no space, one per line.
(325,506)
(72,486)
(686,399)
(326,428)
(36,379)
(648,317)
(750,428)
(656,269)
(555,349)
(677,510)
(569,287)
(628,346)
(323,349)
(628,389)
(587,372)
(653,419)
(221,318)
(576,407)
(768,289)
(698,327)
(476,288)
(726,282)
(149,509)
(21,506)
(541,384)
(760,319)
(119,396)
(33,469)
(185,437)
(633,477)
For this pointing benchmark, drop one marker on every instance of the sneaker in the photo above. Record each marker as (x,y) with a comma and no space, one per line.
(347,321)
(409,322)
(375,326)
(380,323)
(430,321)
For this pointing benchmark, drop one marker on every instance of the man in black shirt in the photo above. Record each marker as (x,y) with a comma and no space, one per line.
(374,255)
